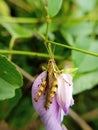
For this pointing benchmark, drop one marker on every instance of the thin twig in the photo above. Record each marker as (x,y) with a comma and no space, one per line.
(90,115)
(25,74)
(27,53)
(79,120)
(22,5)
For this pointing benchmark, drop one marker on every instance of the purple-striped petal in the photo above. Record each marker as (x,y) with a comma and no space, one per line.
(53,116)
(64,93)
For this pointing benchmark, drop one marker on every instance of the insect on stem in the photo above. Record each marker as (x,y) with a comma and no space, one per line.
(49,85)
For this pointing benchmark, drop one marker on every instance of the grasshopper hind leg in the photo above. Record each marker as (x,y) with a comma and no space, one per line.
(42,88)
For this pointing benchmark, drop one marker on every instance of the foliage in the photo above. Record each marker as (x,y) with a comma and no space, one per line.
(71,27)
(10,79)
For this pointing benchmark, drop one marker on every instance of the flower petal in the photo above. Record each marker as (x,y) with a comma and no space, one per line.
(64,93)
(51,117)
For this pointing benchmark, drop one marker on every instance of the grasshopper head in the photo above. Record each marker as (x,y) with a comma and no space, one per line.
(51,61)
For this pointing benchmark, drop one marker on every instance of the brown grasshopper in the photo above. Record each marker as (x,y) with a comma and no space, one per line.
(48,85)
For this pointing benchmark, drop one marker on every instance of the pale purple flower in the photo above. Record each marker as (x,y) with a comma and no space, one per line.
(53,117)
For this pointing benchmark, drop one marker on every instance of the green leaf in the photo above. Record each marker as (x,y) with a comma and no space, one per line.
(7,105)
(54,7)
(42,127)
(18,118)
(81,29)
(85,82)
(86,5)
(17,31)
(68,37)
(84,62)
(4,9)
(10,79)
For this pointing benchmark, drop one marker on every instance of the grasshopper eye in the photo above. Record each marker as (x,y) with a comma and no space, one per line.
(50,61)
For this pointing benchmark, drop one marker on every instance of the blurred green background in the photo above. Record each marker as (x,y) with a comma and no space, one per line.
(76,25)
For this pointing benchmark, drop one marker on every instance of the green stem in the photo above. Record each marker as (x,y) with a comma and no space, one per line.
(11,45)
(72,21)
(27,53)
(74,48)
(70,47)
(48,45)
(50,51)
(46,37)
(47,28)
(19,20)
